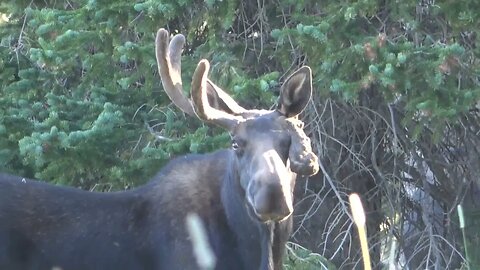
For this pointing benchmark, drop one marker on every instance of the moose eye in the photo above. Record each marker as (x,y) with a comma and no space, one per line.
(235,145)
(238,145)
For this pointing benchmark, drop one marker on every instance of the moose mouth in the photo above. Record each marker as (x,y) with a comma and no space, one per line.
(263,218)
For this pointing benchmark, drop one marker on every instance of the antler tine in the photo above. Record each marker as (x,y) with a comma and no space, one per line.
(230,103)
(202,107)
(169,68)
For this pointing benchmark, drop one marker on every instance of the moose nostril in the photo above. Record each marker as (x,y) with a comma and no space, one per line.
(270,204)
(262,206)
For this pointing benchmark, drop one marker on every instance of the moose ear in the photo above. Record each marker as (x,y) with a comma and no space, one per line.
(295,92)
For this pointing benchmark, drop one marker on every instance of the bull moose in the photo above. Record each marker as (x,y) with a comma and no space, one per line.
(243,195)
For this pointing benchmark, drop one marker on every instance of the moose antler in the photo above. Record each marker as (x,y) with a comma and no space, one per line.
(168,55)
(200,99)
(169,68)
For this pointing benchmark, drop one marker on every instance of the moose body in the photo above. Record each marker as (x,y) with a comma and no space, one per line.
(243,195)
(44,226)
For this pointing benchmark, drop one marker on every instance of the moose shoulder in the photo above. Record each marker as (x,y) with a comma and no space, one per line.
(243,195)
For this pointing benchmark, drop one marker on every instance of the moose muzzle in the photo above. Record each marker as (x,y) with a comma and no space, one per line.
(270,192)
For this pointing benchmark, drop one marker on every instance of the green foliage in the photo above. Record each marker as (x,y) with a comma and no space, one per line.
(62,62)
(435,78)
(81,101)
(300,258)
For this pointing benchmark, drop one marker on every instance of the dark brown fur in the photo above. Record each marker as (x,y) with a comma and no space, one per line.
(43,226)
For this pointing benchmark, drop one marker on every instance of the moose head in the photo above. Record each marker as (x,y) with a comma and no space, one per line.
(269,146)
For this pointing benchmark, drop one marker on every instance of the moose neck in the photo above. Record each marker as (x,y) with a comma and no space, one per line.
(254,238)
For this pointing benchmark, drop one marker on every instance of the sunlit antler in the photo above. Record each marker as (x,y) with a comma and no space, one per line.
(200,100)
(168,55)
(169,68)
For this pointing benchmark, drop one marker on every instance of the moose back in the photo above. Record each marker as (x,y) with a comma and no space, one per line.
(243,195)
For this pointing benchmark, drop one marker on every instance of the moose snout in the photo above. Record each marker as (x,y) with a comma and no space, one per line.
(270,191)
(270,203)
